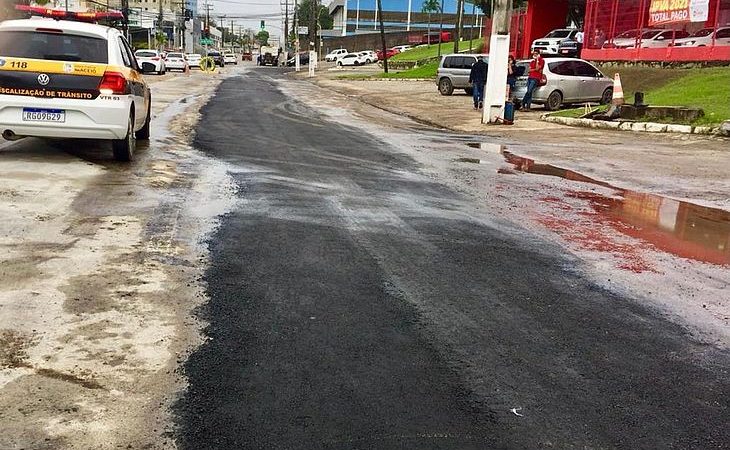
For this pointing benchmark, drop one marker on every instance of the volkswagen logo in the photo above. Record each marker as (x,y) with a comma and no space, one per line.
(43,79)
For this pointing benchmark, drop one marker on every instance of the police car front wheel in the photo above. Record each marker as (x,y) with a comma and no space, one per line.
(124,148)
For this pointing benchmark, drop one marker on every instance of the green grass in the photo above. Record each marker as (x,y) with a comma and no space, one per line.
(424,71)
(706,88)
(431,51)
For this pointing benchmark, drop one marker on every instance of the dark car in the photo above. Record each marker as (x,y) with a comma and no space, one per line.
(568,48)
(303,59)
(217,58)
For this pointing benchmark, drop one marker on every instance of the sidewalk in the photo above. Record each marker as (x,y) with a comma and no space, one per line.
(684,167)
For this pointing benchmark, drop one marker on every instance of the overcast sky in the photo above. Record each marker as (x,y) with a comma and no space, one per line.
(249,13)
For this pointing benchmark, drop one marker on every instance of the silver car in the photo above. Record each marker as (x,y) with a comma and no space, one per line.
(569,80)
(453,72)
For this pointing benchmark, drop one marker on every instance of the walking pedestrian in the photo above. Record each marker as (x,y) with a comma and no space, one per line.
(477,79)
(537,65)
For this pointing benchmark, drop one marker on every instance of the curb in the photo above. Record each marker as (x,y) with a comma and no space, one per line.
(433,80)
(646,127)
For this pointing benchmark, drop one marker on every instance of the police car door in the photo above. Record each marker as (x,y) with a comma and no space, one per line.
(136,83)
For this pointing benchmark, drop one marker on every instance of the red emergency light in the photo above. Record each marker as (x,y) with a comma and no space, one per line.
(71,15)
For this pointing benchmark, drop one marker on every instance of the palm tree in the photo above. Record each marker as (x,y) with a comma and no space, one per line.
(428,7)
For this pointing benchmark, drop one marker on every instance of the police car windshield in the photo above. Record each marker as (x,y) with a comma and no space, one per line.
(53,46)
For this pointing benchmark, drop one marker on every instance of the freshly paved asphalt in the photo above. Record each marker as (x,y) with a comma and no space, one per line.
(355,303)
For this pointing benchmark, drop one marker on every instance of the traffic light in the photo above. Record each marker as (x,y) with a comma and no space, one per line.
(188,14)
(206,33)
(263,24)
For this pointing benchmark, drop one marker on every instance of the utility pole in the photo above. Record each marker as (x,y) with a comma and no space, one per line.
(457,29)
(441,26)
(286,29)
(382,37)
(496,88)
(471,28)
(159,20)
(125,18)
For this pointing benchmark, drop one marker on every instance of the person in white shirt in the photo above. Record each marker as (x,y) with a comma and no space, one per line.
(579,39)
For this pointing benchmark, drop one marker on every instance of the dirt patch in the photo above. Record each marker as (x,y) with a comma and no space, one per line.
(14,349)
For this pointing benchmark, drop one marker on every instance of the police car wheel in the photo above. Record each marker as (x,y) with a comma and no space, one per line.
(124,148)
(144,133)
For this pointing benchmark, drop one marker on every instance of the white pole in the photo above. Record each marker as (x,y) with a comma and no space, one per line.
(495,91)
(408,23)
(297,61)
(375,24)
(357,16)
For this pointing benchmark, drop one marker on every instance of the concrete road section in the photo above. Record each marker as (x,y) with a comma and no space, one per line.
(381,284)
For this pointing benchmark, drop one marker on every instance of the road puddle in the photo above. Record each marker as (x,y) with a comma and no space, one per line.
(680,228)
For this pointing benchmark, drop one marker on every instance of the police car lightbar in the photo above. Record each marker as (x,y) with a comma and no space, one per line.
(71,15)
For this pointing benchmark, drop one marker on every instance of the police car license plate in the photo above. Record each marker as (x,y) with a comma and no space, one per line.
(43,115)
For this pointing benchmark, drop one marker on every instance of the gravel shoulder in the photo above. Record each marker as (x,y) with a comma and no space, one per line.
(98,276)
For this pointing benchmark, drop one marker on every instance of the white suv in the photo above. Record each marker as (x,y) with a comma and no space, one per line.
(64,79)
(336,54)
(550,43)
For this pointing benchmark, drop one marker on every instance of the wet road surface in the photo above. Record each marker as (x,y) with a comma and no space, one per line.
(356,303)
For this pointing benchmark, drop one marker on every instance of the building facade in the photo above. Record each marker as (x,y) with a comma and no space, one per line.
(631,30)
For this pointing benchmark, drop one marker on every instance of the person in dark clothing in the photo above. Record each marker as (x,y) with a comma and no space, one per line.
(511,74)
(477,79)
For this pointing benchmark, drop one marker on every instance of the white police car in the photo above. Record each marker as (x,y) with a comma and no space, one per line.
(68,79)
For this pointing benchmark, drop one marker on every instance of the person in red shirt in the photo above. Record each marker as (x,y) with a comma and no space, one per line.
(537,65)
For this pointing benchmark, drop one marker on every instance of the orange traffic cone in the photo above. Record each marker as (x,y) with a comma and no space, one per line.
(618,91)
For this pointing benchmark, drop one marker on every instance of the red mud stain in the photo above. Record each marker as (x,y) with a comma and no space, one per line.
(589,236)
(680,228)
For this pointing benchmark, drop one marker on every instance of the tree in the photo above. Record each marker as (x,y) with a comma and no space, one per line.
(486,5)
(428,7)
(160,40)
(262,37)
(304,15)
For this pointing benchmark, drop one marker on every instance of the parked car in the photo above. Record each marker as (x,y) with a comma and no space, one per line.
(246,56)
(453,72)
(368,56)
(704,38)
(303,59)
(217,58)
(334,55)
(152,57)
(389,54)
(229,57)
(568,48)
(351,59)
(661,38)
(650,38)
(176,61)
(193,59)
(402,48)
(626,39)
(569,80)
(550,43)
